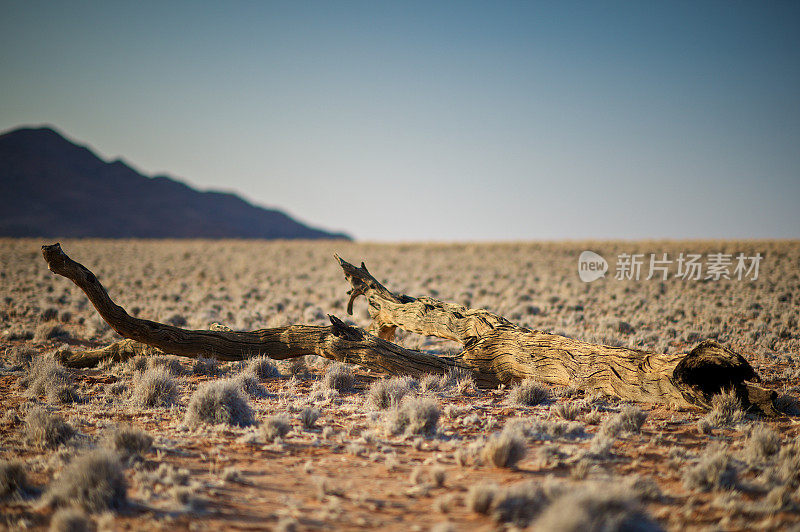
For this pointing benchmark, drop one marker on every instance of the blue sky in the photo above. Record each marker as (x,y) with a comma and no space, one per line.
(436,121)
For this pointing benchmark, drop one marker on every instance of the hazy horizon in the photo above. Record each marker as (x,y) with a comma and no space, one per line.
(436,122)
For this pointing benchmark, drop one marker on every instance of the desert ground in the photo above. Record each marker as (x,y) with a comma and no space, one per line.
(307,444)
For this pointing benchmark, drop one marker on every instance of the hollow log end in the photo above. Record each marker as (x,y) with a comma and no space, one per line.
(711,368)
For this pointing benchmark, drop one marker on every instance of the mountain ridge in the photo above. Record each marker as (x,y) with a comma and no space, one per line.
(54,187)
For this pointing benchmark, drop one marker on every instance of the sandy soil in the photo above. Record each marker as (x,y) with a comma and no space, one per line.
(348,472)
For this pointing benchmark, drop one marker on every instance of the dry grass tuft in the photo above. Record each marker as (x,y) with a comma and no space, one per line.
(62,394)
(48,377)
(231,474)
(726,410)
(156,387)
(263,367)
(130,441)
(529,393)
(581,469)
(629,420)
(49,331)
(602,443)
(549,429)
(428,476)
(762,444)
(704,426)
(480,497)
(171,364)
(596,507)
(296,367)
(93,481)
(714,470)
(386,393)
(49,314)
(275,427)
(414,416)
(45,429)
(21,355)
(432,383)
(137,363)
(250,384)
(465,384)
(788,467)
(205,366)
(326,487)
(309,417)
(568,411)
(71,520)
(356,449)
(188,499)
(338,377)
(505,449)
(438,476)
(218,402)
(12,479)
(644,488)
(18,332)
(519,503)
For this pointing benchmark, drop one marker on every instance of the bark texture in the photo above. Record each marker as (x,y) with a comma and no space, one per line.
(495,350)
(494,346)
(144,337)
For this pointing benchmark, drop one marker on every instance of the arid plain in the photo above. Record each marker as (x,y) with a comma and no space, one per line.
(307,444)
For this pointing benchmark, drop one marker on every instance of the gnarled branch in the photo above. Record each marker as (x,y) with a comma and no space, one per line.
(336,341)
(494,346)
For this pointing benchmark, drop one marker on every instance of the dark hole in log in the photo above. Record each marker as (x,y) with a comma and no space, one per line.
(712,368)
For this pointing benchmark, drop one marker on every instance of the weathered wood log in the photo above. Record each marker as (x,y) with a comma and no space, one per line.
(495,346)
(495,350)
(144,337)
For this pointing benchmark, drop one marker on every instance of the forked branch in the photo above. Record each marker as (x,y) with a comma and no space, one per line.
(144,337)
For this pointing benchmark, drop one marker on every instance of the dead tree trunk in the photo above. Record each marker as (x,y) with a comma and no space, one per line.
(495,350)
(494,346)
(144,337)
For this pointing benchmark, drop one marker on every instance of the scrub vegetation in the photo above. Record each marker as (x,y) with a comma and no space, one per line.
(160,442)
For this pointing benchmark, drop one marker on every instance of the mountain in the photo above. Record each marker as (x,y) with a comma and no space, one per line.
(51,187)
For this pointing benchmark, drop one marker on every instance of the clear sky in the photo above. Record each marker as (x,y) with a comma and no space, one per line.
(436,121)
